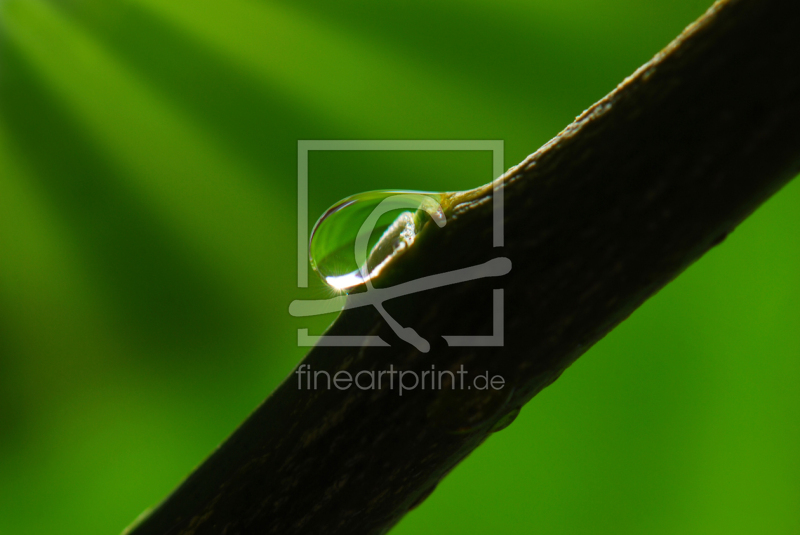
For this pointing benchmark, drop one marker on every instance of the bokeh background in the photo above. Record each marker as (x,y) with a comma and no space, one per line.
(148,164)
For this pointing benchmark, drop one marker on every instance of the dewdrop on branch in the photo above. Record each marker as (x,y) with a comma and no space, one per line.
(358,236)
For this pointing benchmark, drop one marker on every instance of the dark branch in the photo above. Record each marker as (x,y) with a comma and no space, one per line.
(597,221)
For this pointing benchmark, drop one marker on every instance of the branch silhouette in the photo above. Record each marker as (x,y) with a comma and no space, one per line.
(617,205)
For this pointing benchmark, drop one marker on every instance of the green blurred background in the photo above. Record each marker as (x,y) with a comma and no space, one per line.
(148,164)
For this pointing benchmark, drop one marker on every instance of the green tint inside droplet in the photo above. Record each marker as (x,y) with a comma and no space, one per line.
(359,235)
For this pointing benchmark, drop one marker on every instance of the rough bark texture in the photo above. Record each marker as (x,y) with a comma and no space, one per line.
(597,221)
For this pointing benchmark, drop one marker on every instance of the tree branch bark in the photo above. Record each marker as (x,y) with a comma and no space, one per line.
(603,216)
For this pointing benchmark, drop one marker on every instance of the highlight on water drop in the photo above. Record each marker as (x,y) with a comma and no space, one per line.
(358,236)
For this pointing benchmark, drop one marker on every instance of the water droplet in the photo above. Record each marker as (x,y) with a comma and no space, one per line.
(424,495)
(356,238)
(460,411)
(505,420)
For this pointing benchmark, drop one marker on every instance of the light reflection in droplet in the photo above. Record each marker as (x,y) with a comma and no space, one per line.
(358,236)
